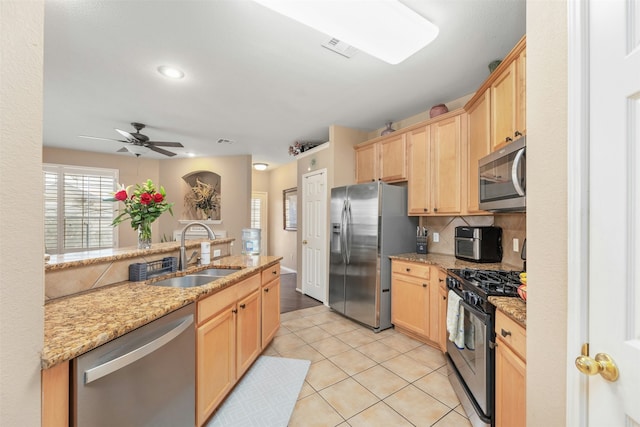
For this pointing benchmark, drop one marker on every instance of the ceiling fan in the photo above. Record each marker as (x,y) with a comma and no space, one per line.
(139,141)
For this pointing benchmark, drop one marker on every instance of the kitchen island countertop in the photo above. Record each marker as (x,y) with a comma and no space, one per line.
(76,324)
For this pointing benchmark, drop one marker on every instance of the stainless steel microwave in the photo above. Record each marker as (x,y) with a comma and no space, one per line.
(503,178)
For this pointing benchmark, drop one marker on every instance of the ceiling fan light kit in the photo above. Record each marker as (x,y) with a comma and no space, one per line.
(139,143)
(385,29)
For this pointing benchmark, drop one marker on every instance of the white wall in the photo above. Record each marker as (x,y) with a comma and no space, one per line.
(546,212)
(21,211)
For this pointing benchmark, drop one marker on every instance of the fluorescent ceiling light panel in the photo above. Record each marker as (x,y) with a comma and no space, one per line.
(386,29)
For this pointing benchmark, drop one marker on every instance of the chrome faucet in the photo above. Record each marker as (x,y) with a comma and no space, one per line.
(183,252)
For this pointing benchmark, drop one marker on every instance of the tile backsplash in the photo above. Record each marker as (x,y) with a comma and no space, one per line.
(514,226)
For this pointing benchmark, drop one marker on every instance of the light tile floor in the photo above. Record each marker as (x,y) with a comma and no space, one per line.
(360,378)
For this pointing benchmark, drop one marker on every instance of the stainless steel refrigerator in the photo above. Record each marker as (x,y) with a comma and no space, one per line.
(369,222)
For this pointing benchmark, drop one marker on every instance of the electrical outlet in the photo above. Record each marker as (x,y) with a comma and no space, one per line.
(516,245)
(216,252)
(436,237)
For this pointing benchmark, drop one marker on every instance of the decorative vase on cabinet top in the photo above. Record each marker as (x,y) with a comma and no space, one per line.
(436,110)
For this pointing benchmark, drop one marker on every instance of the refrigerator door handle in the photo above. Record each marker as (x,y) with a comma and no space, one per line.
(343,229)
(349,234)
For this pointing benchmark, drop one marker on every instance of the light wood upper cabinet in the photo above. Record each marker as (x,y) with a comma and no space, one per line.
(446,163)
(419,186)
(521,93)
(510,372)
(366,163)
(393,158)
(508,98)
(384,160)
(435,167)
(478,145)
(503,107)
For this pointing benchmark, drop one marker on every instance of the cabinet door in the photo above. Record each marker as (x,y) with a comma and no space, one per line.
(393,159)
(521,94)
(248,332)
(419,172)
(270,311)
(479,140)
(216,370)
(510,387)
(503,107)
(55,396)
(410,303)
(367,163)
(446,143)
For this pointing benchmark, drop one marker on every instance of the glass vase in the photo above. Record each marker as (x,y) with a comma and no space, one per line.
(144,235)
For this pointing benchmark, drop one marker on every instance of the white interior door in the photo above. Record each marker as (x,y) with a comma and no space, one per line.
(614,209)
(314,235)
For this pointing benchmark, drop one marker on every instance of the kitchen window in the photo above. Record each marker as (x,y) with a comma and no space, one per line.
(75,214)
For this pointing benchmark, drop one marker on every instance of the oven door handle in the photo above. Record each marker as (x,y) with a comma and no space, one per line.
(484,317)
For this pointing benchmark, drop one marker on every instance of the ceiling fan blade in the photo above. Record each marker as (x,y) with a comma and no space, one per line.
(127,135)
(123,150)
(164,144)
(161,151)
(102,139)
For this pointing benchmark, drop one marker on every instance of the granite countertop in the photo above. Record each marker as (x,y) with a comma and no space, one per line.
(513,307)
(76,324)
(76,259)
(450,261)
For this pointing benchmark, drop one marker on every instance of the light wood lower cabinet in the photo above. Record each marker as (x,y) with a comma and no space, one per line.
(510,372)
(270,303)
(443,295)
(416,301)
(227,342)
(55,396)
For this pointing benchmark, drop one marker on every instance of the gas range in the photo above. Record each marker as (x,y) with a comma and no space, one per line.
(475,286)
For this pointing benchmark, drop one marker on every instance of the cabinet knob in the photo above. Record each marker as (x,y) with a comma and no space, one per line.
(443,297)
(274,272)
(424,285)
(440,280)
(425,209)
(408,269)
(234,311)
(517,133)
(266,290)
(505,333)
(508,139)
(435,209)
(242,306)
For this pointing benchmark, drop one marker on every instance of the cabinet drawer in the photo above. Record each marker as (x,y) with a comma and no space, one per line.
(270,273)
(210,306)
(411,268)
(511,333)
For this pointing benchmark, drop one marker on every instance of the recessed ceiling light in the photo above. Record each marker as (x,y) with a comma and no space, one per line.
(191,154)
(171,72)
(260,166)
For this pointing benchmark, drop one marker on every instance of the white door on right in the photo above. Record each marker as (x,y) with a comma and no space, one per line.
(614,209)
(314,235)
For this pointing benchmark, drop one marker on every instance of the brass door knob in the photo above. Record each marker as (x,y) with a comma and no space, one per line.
(304,242)
(603,364)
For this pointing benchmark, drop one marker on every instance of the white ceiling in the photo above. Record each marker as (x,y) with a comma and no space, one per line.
(252,76)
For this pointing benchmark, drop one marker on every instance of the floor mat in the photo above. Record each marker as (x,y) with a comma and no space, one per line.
(266,395)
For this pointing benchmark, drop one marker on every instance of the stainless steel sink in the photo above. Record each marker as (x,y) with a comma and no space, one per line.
(218,272)
(189,281)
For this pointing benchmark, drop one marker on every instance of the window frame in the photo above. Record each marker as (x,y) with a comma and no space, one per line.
(61,170)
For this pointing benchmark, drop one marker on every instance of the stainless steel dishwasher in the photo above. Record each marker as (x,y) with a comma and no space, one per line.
(144,378)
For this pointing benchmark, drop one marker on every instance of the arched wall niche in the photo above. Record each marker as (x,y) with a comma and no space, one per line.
(202,200)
